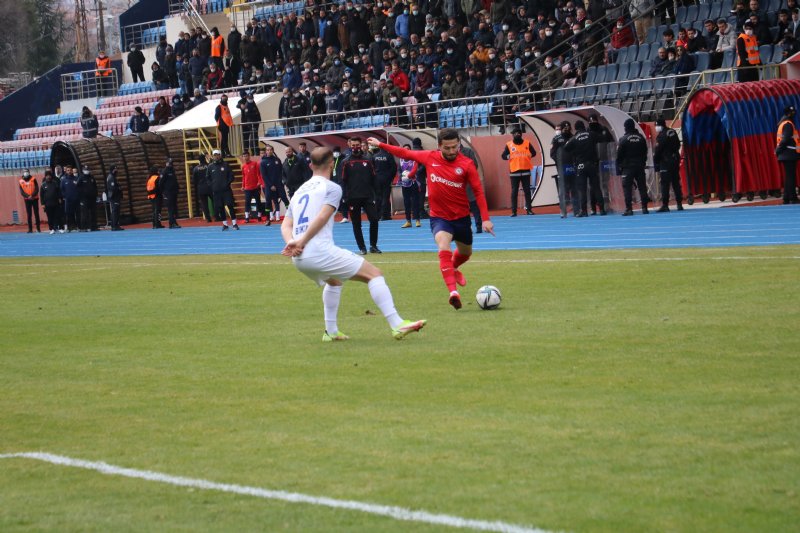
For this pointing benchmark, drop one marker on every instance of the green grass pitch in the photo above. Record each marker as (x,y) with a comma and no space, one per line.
(612,391)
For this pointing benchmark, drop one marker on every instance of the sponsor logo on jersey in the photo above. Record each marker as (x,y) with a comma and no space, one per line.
(459,171)
(438,179)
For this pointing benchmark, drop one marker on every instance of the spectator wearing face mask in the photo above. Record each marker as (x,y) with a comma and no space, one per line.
(161,112)
(29,189)
(159,76)
(747,55)
(422,78)
(89,123)
(136,63)
(139,122)
(621,37)
(291,79)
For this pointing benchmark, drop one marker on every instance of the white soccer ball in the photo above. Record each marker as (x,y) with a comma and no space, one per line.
(488,297)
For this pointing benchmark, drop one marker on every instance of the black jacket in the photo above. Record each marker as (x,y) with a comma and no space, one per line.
(87,187)
(169,182)
(139,123)
(113,190)
(787,139)
(358,178)
(667,152)
(50,193)
(135,60)
(631,152)
(200,180)
(90,126)
(557,152)
(385,166)
(220,176)
(583,147)
(295,172)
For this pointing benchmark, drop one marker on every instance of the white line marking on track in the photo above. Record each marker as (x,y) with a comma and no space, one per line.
(397,513)
(421,262)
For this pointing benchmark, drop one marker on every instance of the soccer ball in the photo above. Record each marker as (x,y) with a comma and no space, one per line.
(488,297)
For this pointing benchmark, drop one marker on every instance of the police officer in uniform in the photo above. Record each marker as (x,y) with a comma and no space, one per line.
(788,152)
(631,162)
(358,176)
(603,138)
(220,176)
(385,172)
(667,160)
(87,191)
(519,153)
(565,182)
(169,189)
(583,149)
(201,186)
(114,195)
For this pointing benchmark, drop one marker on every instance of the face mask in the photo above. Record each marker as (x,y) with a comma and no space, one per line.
(337,62)
(558,131)
(749,33)
(377,39)
(505,27)
(415,12)
(393,99)
(503,87)
(85,172)
(133,49)
(337,154)
(620,26)
(26,175)
(548,33)
(527,54)
(354,90)
(404,56)
(420,70)
(296,95)
(361,50)
(552,24)
(587,25)
(510,70)
(405,12)
(548,65)
(329,22)
(492,56)
(659,129)
(574,46)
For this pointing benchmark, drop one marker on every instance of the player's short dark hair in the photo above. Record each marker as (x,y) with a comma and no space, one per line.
(354,139)
(321,156)
(447,134)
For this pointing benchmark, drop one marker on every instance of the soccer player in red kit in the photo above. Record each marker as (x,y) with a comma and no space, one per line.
(449,171)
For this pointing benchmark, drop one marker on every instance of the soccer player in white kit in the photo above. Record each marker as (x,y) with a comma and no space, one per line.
(307,230)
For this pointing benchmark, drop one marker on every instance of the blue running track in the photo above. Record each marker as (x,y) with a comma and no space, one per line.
(745,226)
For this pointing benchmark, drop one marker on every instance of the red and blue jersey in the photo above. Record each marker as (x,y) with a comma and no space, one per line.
(447,182)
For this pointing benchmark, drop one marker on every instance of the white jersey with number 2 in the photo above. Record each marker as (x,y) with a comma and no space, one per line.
(306,204)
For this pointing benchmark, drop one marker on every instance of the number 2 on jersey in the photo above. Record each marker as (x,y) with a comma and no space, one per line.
(303,200)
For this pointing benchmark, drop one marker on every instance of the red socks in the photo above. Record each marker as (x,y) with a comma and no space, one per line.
(448,271)
(459,259)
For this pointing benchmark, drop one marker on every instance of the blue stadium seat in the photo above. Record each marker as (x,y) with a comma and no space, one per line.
(275,131)
(602,92)
(652,35)
(645,88)
(624,69)
(611,72)
(644,72)
(729,59)
(777,54)
(653,52)
(622,55)
(701,61)
(589,94)
(634,70)
(460,117)
(772,6)
(680,14)
(644,52)
(702,13)
(600,75)
(765,51)
(559,97)
(435,97)
(591,75)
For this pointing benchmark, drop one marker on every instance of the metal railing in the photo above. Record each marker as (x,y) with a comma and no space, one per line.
(242,13)
(189,8)
(143,35)
(88,84)
(645,99)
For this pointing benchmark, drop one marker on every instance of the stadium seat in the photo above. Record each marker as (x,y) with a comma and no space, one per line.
(690,15)
(611,72)
(634,70)
(623,70)
(653,52)
(644,52)
(622,55)
(644,72)
(703,13)
(559,97)
(777,54)
(701,61)
(591,75)
(652,35)
(680,14)
(600,74)
(765,51)
(589,94)
(729,59)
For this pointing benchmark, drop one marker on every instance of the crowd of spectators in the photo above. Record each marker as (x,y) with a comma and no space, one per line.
(353,56)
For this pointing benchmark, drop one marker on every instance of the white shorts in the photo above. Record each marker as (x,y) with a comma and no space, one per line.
(337,263)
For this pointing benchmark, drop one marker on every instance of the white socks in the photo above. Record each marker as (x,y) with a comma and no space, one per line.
(382,297)
(331,295)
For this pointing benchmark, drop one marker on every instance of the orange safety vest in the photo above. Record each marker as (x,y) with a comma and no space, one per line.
(520,156)
(751,45)
(29,187)
(216,46)
(795,135)
(225,115)
(103,66)
(152,183)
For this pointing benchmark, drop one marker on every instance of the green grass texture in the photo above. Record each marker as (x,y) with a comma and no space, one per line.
(611,391)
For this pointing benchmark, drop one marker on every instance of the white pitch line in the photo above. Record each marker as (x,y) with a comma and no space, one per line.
(420,262)
(397,513)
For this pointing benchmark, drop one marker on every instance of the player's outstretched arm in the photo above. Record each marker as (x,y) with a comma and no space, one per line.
(398,151)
